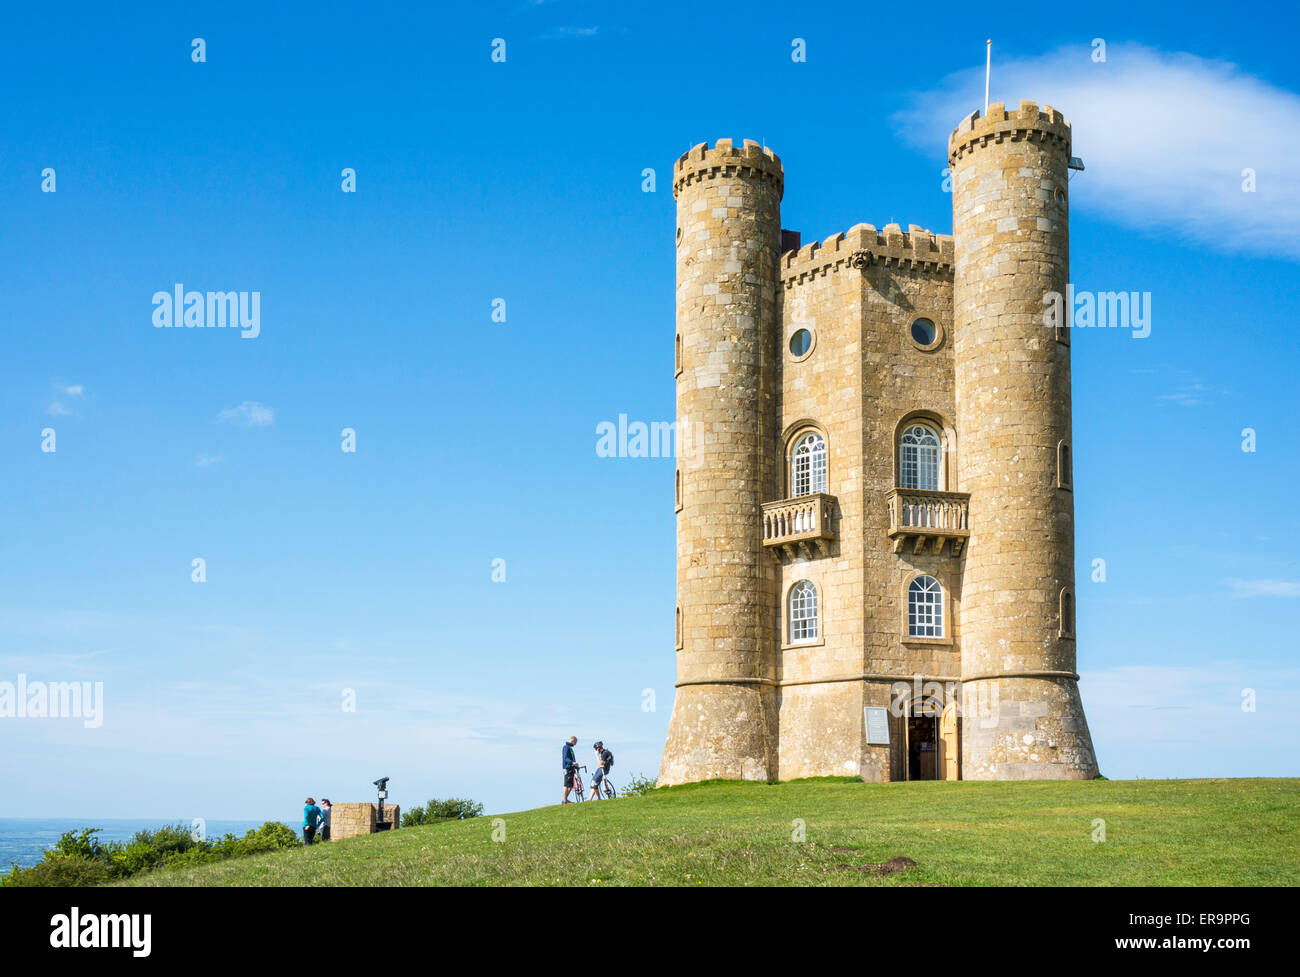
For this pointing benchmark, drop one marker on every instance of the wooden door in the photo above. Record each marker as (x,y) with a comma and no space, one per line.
(949,743)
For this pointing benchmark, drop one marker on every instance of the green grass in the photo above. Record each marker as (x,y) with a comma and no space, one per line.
(1158,832)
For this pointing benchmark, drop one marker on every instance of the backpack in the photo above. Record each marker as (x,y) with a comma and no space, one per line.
(609,760)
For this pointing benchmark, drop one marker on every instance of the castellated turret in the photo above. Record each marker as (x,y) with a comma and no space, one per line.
(728,239)
(1010,190)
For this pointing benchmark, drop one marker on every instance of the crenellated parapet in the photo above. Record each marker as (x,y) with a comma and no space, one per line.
(751,160)
(863,246)
(1029,122)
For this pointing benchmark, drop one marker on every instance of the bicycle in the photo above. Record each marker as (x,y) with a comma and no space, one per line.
(579,796)
(606,790)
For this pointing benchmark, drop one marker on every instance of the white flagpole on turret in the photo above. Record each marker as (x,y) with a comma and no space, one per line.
(988,67)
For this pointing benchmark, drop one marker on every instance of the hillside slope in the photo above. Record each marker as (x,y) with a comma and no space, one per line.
(1170,832)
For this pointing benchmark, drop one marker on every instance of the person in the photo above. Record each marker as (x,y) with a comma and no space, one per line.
(325,819)
(604,760)
(310,818)
(570,763)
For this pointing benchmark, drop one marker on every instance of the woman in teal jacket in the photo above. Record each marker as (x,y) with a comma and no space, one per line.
(311,817)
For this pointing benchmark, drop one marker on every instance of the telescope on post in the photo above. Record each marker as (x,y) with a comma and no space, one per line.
(380,823)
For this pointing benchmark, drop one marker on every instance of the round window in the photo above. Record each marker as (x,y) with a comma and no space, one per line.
(924,332)
(801,342)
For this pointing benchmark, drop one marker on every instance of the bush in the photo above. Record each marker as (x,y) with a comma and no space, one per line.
(59,870)
(80,858)
(452,809)
(639,784)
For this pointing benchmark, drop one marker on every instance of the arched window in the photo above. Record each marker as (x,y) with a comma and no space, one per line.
(1067,614)
(803,611)
(1063,474)
(925,608)
(918,458)
(680,638)
(677,491)
(808,465)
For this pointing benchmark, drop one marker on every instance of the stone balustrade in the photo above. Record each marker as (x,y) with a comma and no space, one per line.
(928,518)
(798,525)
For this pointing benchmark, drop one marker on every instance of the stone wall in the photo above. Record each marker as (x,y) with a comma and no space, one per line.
(351,819)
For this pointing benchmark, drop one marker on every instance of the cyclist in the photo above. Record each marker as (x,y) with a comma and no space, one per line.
(604,760)
(569,762)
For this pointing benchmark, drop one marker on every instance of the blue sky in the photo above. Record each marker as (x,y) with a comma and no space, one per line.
(522,180)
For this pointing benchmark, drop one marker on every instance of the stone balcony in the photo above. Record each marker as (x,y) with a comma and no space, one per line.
(802,525)
(927,518)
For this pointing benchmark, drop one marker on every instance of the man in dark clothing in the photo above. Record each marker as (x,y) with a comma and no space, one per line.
(604,760)
(570,764)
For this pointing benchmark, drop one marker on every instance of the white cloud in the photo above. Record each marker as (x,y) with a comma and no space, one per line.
(558,33)
(1263,588)
(58,408)
(203,461)
(1165,137)
(250,414)
(1192,394)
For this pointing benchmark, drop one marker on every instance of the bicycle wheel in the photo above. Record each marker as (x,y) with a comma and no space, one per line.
(577,789)
(610,792)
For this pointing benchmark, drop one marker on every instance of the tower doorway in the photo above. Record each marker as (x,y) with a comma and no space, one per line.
(923,745)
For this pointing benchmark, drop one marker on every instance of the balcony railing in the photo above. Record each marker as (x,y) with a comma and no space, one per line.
(799,525)
(926,518)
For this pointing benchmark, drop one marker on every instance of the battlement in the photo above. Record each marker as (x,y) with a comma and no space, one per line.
(750,160)
(1030,122)
(862,246)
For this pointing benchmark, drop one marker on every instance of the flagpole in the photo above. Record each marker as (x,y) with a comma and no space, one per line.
(988,67)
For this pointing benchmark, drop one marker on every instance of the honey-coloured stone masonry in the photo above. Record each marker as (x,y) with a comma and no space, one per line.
(819,345)
(352,819)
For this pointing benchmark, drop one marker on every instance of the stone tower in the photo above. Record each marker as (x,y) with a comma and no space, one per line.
(1022,715)
(728,243)
(875,509)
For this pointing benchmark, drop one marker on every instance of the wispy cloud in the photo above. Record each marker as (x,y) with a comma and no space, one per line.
(1207,719)
(1192,394)
(1165,137)
(249,414)
(203,461)
(1263,588)
(73,392)
(558,33)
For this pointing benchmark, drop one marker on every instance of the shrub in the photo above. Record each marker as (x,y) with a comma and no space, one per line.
(59,870)
(639,784)
(452,809)
(80,844)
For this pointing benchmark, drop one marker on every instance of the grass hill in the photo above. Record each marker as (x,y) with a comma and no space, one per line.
(1158,832)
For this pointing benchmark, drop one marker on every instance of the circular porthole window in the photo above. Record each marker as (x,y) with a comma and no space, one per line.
(925,333)
(801,343)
